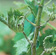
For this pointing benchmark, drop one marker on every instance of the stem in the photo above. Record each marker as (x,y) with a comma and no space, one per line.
(30,22)
(33,49)
(48,2)
(43,53)
(26,37)
(3,21)
(49,25)
(33,46)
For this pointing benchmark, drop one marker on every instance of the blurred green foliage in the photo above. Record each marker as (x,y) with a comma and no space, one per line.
(20,42)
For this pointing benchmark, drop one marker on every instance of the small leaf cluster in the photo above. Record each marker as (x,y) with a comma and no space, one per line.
(14,20)
(51,11)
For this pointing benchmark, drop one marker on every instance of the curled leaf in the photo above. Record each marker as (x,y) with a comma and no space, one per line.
(49,43)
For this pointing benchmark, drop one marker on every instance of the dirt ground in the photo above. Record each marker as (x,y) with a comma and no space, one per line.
(2,53)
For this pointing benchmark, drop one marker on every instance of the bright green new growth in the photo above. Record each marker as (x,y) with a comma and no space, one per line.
(14,20)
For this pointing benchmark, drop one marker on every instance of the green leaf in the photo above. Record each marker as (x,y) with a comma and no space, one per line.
(39,50)
(27,26)
(47,33)
(18,36)
(32,6)
(21,46)
(23,53)
(48,42)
